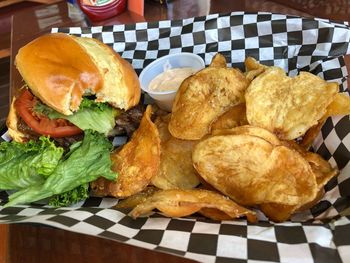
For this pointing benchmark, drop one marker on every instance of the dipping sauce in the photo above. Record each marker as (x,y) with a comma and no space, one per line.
(170,79)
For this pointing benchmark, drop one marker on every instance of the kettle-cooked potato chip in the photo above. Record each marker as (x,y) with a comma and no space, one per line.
(162,123)
(322,170)
(235,116)
(339,106)
(280,212)
(137,162)
(250,64)
(320,167)
(136,199)
(202,98)
(323,173)
(253,68)
(277,212)
(288,106)
(233,133)
(176,169)
(311,134)
(253,171)
(218,61)
(179,203)
(250,130)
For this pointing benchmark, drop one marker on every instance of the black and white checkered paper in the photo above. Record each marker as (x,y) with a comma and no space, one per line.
(293,43)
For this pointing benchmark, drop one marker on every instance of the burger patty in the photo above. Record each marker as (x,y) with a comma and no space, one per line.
(126,123)
(64,142)
(24,128)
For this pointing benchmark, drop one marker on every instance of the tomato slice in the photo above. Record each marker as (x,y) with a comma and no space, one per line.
(41,124)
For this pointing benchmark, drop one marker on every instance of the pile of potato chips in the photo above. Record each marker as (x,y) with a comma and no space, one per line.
(234,142)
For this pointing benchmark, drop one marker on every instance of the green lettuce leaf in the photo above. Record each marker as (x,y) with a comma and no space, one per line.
(83,164)
(71,197)
(26,164)
(91,115)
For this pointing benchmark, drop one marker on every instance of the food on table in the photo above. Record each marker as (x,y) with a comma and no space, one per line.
(176,169)
(180,202)
(231,132)
(170,79)
(203,97)
(136,163)
(72,84)
(288,106)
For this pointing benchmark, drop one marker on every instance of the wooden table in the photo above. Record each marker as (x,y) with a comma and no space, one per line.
(36,243)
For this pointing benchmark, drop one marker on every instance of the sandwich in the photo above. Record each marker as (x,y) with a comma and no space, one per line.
(60,121)
(71,84)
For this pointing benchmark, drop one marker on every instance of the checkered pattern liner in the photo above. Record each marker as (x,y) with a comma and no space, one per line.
(293,43)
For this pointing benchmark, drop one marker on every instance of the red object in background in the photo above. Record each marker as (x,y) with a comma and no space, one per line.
(98,12)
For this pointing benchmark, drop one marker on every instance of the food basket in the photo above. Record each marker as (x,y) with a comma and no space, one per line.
(294,43)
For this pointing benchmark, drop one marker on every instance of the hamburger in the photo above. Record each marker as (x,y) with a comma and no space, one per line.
(71,84)
(76,91)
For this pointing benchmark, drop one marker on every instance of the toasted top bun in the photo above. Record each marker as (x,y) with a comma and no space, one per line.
(59,69)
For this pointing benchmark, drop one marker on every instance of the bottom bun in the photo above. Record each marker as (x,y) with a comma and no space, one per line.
(11,122)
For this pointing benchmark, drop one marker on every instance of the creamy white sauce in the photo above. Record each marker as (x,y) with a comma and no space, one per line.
(170,79)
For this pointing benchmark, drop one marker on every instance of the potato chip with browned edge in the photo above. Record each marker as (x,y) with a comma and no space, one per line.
(252,171)
(218,61)
(250,130)
(162,123)
(136,163)
(321,168)
(277,212)
(202,98)
(339,106)
(253,68)
(180,202)
(176,169)
(288,106)
(323,173)
(251,63)
(280,213)
(311,134)
(136,199)
(233,117)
